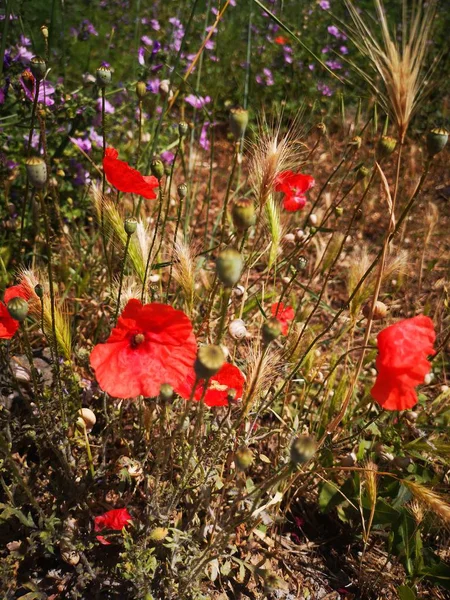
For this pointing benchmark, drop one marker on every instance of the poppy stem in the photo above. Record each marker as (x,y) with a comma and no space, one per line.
(223,313)
(155,233)
(88,450)
(122,271)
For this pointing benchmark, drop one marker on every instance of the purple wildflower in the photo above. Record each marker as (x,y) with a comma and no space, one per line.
(167,157)
(203,140)
(324,5)
(46,90)
(324,89)
(197,101)
(82,143)
(146,40)
(109,108)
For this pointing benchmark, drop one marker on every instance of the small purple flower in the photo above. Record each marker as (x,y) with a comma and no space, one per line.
(167,157)
(334,31)
(343,50)
(333,64)
(155,24)
(197,101)
(141,56)
(83,144)
(24,41)
(109,108)
(324,89)
(46,90)
(146,40)
(23,55)
(203,140)
(324,5)
(95,138)
(153,86)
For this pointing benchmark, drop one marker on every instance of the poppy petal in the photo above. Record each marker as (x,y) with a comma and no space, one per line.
(125,178)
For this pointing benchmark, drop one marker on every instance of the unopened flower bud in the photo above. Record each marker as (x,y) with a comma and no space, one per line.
(44,31)
(130,225)
(355,142)
(303,449)
(86,419)
(157,168)
(243,458)
(338,211)
(39,290)
(38,67)
(158,534)
(166,392)
(229,265)
(238,122)
(164,89)
(141,90)
(36,171)
(243,213)
(321,128)
(231,394)
(379,311)
(313,219)
(18,308)
(210,359)
(182,190)
(386,147)
(183,128)
(436,141)
(270,330)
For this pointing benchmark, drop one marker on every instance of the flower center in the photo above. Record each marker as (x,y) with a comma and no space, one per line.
(137,339)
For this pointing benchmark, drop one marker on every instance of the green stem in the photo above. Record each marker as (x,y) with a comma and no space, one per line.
(122,271)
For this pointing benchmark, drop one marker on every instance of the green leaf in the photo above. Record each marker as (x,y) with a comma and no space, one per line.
(9,511)
(406,593)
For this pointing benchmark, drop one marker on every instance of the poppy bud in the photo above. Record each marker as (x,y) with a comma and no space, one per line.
(183,128)
(271,329)
(436,141)
(386,147)
(39,290)
(36,171)
(355,142)
(361,173)
(130,225)
(166,392)
(157,168)
(238,122)
(338,211)
(38,67)
(231,394)
(243,458)
(303,449)
(321,128)
(103,76)
(18,308)
(182,190)
(229,265)
(164,89)
(87,419)
(44,31)
(141,90)
(210,359)
(379,311)
(243,213)
(158,534)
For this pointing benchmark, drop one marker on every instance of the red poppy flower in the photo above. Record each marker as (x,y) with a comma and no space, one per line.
(284,314)
(15,291)
(116,519)
(402,362)
(280,40)
(151,344)
(294,186)
(125,178)
(229,377)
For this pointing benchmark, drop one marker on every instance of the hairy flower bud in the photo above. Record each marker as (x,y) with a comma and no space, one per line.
(183,128)
(238,122)
(303,449)
(36,171)
(361,172)
(270,330)
(103,76)
(141,90)
(229,265)
(38,67)
(182,190)
(243,213)
(210,359)
(18,308)
(243,458)
(436,141)
(39,290)
(386,147)
(157,168)
(166,392)
(321,128)
(158,534)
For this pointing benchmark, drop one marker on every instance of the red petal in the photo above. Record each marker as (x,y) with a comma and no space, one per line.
(8,325)
(293,203)
(16,291)
(125,178)
(229,377)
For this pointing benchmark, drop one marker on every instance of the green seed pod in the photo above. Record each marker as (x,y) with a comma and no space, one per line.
(386,147)
(36,171)
(130,225)
(182,190)
(238,122)
(18,308)
(103,76)
(338,211)
(157,168)
(243,458)
(243,213)
(183,128)
(38,67)
(158,534)
(166,392)
(229,265)
(44,31)
(361,173)
(270,330)
(303,449)
(355,142)
(141,90)
(39,290)
(210,359)
(436,141)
